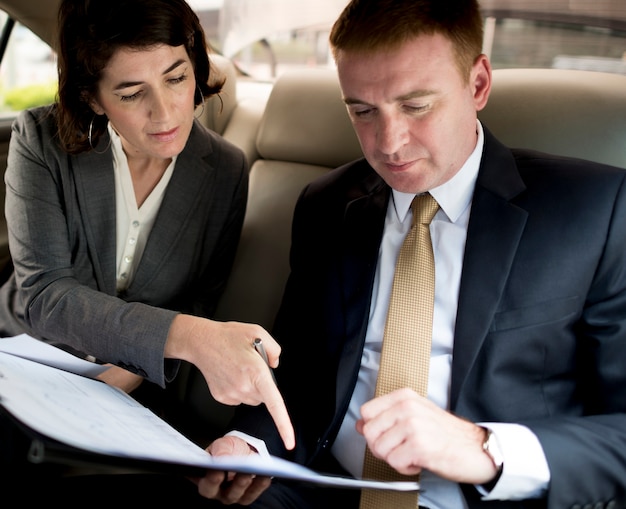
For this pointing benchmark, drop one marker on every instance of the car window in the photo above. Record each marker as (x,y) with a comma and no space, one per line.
(27,71)
(537,43)
(512,39)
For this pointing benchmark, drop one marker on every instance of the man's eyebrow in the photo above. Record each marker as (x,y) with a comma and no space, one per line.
(349,101)
(406,97)
(416,94)
(126,84)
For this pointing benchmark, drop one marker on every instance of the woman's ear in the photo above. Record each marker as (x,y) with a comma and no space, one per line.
(93,103)
(97,109)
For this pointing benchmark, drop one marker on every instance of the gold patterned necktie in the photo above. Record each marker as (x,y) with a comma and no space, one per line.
(405,356)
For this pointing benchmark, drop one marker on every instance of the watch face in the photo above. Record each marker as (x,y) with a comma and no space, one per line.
(492,448)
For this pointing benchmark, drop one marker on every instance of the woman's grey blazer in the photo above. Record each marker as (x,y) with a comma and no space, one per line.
(60,212)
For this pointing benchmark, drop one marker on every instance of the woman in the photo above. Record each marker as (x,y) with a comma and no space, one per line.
(124,213)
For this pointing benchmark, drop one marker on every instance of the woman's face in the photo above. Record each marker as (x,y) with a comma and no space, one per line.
(148,96)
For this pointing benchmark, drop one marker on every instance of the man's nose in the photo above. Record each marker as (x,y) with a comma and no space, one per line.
(392,134)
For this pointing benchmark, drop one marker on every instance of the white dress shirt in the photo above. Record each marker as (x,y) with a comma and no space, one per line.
(525,471)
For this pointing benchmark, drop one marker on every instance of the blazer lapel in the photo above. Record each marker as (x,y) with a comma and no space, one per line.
(362,231)
(95,189)
(494,230)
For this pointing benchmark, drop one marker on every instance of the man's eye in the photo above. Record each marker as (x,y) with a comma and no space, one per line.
(416,108)
(361,112)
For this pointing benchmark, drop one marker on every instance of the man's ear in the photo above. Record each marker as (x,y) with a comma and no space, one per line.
(481,81)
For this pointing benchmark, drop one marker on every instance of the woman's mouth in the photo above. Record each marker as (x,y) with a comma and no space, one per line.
(165,136)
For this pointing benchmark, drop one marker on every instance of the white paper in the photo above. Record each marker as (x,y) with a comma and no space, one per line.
(30,348)
(91,415)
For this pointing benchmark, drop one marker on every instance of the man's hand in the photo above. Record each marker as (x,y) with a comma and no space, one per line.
(411,433)
(230,487)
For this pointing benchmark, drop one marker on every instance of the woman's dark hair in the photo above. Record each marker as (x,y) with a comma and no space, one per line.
(90,31)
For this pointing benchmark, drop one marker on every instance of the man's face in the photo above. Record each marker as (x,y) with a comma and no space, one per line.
(413,112)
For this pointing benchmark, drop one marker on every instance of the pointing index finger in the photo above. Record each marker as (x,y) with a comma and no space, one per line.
(277,409)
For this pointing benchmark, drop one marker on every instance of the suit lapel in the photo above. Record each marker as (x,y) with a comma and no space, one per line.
(494,231)
(362,231)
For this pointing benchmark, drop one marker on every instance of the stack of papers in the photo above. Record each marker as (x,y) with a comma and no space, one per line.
(55,394)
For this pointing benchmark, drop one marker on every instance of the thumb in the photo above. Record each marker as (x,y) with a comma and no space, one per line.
(229,445)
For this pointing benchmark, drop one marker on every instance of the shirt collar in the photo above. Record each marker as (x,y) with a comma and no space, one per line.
(454,195)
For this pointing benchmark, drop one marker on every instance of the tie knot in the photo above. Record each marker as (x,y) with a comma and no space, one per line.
(424,208)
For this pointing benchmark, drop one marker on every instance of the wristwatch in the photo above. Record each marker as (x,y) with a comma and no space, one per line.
(492,449)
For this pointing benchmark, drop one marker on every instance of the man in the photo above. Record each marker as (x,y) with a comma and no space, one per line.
(529,328)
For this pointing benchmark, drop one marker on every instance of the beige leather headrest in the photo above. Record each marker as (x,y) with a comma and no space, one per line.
(566,112)
(306,121)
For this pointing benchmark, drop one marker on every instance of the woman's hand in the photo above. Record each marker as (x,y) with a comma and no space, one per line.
(234,371)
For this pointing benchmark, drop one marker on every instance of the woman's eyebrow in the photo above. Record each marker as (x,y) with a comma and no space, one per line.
(126,84)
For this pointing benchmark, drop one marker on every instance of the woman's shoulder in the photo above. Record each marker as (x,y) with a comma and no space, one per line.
(204,142)
(38,119)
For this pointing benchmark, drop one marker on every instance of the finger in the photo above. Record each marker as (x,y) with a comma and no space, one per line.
(385,421)
(259,485)
(277,409)
(209,486)
(228,445)
(381,404)
(235,489)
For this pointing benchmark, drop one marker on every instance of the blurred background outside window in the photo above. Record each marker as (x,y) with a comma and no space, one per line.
(266,37)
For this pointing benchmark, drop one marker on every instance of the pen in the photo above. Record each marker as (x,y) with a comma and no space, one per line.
(258,346)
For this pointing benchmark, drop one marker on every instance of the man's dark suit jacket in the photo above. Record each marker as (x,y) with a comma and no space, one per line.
(541,328)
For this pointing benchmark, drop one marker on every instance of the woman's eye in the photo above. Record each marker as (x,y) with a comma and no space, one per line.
(178,79)
(129,98)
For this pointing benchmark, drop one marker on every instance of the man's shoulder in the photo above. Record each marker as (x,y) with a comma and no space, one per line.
(566,183)
(527,159)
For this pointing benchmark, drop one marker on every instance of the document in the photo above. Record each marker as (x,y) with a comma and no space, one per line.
(30,348)
(91,416)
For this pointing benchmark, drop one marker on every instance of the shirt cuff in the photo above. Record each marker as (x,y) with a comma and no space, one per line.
(256,443)
(525,471)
